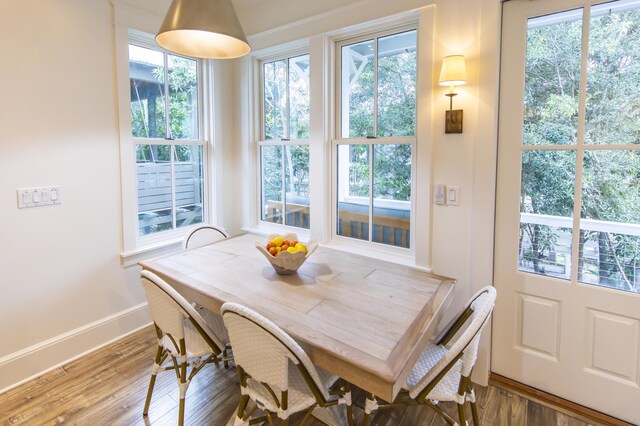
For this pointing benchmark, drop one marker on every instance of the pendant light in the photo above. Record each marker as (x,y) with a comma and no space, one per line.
(203,29)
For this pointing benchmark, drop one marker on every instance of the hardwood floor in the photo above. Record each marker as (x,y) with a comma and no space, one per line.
(108,387)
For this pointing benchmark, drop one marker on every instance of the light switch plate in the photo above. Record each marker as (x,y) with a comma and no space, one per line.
(439,194)
(453,195)
(38,196)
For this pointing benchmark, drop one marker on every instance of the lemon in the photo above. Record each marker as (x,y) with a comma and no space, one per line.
(278,249)
(301,247)
(292,249)
(278,241)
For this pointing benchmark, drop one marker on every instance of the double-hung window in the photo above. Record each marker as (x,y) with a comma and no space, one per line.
(166,131)
(375,140)
(284,144)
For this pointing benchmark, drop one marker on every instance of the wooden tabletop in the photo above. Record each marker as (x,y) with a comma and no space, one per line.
(362,319)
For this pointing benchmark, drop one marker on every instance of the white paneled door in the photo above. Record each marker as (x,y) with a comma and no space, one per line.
(567,268)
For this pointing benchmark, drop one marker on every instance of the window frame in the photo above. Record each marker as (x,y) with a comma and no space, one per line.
(284,55)
(134,244)
(338,140)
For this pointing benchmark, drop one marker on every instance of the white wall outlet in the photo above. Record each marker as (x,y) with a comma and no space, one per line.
(39,196)
(439,194)
(453,195)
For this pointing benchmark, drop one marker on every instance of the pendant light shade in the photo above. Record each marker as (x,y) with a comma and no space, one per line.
(203,29)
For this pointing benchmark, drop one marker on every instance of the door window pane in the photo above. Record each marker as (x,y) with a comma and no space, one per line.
(353,191)
(275,100)
(189,184)
(183,97)
(271,178)
(392,194)
(552,79)
(546,206)
(397,85)
(610,219)
(146,70)
(357,90)
(613,76)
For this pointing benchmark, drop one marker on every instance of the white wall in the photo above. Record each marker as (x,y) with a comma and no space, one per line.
(60,265)
(63,288)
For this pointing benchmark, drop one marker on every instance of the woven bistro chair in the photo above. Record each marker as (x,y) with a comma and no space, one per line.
(443,371)
(183,336)
(275,372)
(203,236)
(200,237)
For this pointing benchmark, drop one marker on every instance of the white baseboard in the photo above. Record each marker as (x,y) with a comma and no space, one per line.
(29,363)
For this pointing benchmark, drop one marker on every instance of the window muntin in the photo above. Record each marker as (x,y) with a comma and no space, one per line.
(169,154)
(375,151)
(284,148)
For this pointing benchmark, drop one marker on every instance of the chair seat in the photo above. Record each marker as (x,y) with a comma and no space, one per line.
(447,388)
(299,396)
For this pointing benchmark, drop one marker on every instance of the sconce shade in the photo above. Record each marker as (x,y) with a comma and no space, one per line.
(454,71)
(203,29)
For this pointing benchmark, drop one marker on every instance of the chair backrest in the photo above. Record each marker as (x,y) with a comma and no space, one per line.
(169,311)
(466,345)
(264,351)
(203,236)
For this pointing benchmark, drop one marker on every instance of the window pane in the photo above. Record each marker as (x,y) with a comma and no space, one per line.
(183,98)
(357,90)
(146,70)
(546,206)
(544,249)
(397,85)
(613,76)
(299,97)
(552,79)
(297,185)
(189,183)
(353,191)
(275,100)
(153,169)
(392,194)
(610,218)
(271,178)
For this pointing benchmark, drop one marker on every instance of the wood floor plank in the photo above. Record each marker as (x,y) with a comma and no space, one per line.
(109,386)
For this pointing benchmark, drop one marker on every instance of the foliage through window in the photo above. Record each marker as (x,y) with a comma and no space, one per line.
(377,118)
(604,159)
(165,128)
(284,149)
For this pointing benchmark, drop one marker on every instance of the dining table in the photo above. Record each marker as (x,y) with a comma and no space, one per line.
(363,319)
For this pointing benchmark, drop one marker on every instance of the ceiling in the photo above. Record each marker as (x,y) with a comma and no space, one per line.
(257,15)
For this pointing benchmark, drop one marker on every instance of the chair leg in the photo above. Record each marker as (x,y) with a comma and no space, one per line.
(462,415)
(224,356)
(181,413)
(472,402)
(474,414)
(152,381)
(370,406)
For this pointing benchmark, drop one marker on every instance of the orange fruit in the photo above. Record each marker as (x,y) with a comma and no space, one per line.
(273,251)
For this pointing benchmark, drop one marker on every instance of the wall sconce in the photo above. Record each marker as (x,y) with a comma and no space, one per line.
(453,73)
(203,29)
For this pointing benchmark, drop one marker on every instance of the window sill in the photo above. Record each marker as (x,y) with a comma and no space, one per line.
(392,254)
(131,258)
(264,229)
